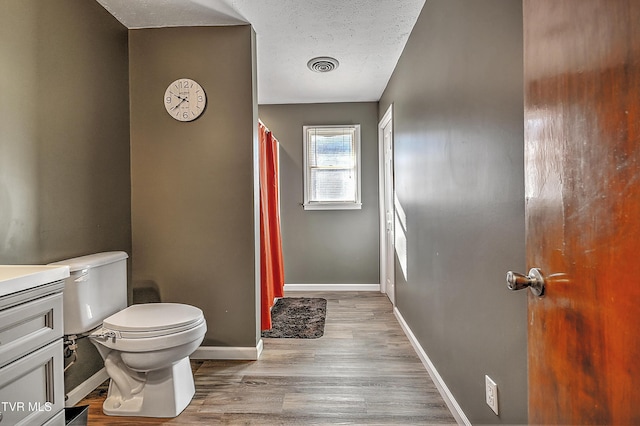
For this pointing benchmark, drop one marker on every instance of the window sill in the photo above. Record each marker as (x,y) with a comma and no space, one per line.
(332,206)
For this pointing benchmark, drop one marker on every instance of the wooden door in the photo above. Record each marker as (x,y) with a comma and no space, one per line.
(582,180)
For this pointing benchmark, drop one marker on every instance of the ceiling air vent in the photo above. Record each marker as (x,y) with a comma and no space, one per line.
(323,64)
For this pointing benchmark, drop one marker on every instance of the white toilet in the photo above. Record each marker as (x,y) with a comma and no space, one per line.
(145,347)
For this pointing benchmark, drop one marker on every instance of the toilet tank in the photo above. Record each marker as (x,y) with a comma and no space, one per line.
(95,289)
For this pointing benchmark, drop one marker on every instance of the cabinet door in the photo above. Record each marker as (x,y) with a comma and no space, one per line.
(31,388)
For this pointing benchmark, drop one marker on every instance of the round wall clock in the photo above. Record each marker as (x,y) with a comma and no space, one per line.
(185,99)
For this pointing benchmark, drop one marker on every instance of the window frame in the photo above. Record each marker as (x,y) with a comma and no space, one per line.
(356,204)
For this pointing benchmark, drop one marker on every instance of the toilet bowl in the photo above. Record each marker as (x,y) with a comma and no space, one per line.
(146,351)
(145,348)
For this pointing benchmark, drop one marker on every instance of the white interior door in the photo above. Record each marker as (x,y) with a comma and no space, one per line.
(387,218)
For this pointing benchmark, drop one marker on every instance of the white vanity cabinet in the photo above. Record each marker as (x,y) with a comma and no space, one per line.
(31,348)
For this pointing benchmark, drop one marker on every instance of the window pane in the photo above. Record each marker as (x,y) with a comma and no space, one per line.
(331,148)
(332,185)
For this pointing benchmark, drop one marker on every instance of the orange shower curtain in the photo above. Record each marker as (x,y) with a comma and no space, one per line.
(271,262)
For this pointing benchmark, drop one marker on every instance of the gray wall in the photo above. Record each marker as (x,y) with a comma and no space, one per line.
(64,137)
(458,126)
(193,184)
(326,247)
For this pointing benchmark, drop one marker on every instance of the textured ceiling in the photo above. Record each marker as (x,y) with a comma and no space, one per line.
(365,36)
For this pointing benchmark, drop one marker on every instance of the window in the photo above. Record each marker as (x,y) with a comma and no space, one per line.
(332,167)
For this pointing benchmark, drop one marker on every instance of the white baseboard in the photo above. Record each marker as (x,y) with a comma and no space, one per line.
(85,388)
(332,287)
(451,402)
(229,353)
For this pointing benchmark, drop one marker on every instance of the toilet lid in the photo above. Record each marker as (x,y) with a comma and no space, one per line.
(152,317)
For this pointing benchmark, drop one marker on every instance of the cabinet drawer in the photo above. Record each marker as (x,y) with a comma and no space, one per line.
(31,388)
(28,326)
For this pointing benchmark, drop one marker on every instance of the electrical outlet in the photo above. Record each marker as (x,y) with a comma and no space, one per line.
(491,392)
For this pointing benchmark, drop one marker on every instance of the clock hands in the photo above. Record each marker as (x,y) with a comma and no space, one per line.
(179,97)
(185,99)
(178,104)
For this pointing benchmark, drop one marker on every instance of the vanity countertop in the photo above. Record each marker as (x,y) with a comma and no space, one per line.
(15,278)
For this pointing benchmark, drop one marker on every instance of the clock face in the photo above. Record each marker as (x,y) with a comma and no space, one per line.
(185,99)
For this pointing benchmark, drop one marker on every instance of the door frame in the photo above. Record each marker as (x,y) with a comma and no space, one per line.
(387,120)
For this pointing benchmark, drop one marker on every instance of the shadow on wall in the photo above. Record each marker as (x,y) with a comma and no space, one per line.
(146,291)
(5,218)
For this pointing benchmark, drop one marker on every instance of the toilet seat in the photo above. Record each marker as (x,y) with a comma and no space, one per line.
(152,320)
(151,327)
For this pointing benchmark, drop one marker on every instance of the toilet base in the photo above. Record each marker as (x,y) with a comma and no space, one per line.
(166,393)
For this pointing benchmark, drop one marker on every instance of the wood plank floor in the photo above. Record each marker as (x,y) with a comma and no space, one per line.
(362,371)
